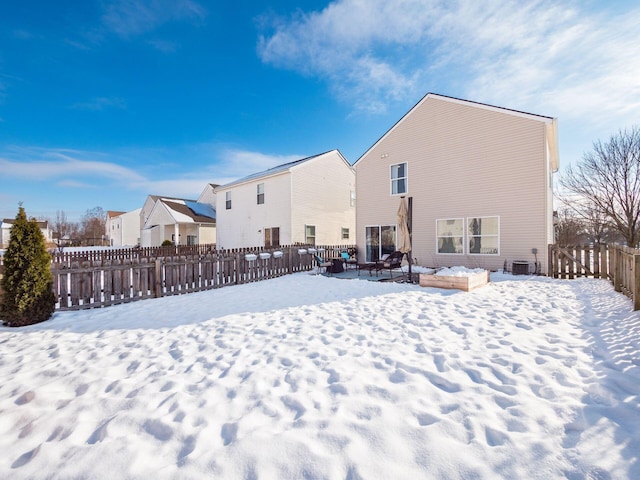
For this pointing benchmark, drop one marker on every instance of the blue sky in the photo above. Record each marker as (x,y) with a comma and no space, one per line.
(103,102)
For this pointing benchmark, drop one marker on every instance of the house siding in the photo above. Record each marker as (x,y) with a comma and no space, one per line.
(321,197)
(463,161)
(244,224)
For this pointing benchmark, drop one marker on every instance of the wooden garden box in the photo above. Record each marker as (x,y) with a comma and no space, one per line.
(465,283)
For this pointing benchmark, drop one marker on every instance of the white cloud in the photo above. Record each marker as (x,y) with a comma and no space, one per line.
(553,58)
(134,17)
(236,163)
(76,169)
(39,164)
(101,103)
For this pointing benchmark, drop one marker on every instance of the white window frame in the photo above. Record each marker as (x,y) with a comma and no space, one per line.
(352,198)
(344,233)
(396,179)
(438,236)
(466,236)
(469,236)
(228,200)
(307,236)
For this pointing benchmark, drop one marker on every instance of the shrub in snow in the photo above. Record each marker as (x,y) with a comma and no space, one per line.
(27,296)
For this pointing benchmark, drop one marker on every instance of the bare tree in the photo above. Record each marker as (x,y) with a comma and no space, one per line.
(570,229)
(608,180)
(63,230)
(93,224)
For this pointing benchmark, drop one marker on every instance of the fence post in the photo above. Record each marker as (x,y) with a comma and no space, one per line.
(636,282)
(158,284)
(617,269)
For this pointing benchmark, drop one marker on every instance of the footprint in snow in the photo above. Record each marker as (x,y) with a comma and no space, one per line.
(229,433)
(25,458)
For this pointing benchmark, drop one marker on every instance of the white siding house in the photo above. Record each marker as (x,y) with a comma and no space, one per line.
(182,222)
(5,231)
(123,228)
(480,181)
(311,200)
(208,195)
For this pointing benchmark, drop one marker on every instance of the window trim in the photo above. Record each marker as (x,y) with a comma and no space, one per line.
(438,236)
(228,200)
(466,250)
(344,230)
(306,237)
(260,195)
(492,236)
(405,178)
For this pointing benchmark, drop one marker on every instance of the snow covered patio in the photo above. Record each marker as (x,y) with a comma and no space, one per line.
(305,376)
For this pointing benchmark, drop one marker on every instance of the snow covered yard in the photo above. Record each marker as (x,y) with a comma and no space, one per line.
(312,377)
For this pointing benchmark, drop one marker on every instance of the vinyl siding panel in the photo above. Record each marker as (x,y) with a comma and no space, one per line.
(463,161)
(321,193)
(243,225)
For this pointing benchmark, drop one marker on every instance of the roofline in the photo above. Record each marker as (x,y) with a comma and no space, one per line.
(459,101)
(270,173)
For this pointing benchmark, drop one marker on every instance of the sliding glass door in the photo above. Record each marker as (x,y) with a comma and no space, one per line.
(380,240)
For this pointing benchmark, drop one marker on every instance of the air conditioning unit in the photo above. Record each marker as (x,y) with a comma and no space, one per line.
(520,268)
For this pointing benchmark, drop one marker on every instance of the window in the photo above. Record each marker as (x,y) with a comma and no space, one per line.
(345,233)
(272,237)
(228,200)
(483,235)
(352,199)
(380,240)
(260,193)
(192,239)
(450,236)
(399,179)
(310,234)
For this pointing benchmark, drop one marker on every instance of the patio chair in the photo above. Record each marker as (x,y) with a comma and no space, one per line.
(391,262)
(322,264)
(348,260)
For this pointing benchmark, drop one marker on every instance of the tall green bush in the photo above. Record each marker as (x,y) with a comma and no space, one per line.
(27,296)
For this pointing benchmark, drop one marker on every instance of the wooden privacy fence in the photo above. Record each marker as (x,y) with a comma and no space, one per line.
(619,264)
(100,283)
(67,257)
(579,261)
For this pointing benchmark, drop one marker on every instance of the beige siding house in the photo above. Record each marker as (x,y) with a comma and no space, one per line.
(311,200)
(479,179)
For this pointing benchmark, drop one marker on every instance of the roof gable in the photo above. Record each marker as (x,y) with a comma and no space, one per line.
(285,167)
(459,101)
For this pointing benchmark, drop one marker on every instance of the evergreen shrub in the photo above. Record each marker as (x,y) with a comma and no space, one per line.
(27,296)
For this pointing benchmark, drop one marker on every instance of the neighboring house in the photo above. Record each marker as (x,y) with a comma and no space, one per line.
(480,178)
(123,228)
(311,200)
(183,222)
(208,195)
(5,231)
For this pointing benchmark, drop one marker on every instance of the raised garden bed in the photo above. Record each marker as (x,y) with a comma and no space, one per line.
(465,280)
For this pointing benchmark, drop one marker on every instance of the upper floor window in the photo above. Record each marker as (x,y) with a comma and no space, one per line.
(399,179)
(260,193)
(228,200)
(352,198)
